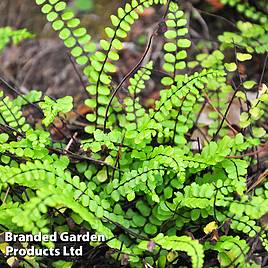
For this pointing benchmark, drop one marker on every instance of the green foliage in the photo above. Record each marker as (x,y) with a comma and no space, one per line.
(175,48)
(68,27)
(136,175)
(255,12)
(134,112)
(252,37)
(32,97)
(8,35)
(11,114)
(232,250)
(51,108)
(256,111)
(252,34)
(175,243)
(103,63)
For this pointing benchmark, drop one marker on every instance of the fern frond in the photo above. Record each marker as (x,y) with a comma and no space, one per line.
(52,108)
(73,35)
(11,115)
(250,10)
(7,35)
(133,109)
(175,53)
(175,104)
(251,36)
(182,243)
(232,251)
(103,61)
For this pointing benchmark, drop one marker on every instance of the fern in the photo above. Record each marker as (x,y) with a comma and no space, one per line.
(51,108)
(176,44)
(256,12)
(251,36)
(11,114)
(139,175)
(68,27)
(175,243)
(231,251)
(8,35)
(134,112)
(103,62)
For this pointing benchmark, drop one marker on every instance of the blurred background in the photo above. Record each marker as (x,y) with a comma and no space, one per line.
(43,63)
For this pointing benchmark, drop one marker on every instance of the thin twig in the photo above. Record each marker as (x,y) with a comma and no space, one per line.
(259,180)
(78,74)
(219,113)
(7,192)
(226,112)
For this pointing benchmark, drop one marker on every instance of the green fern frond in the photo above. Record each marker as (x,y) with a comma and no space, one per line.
(137,177)
(11,115)
(251,36)
(232,251)
(175,53)
(52,108)
(133,109)
(8,35)
(250,10)
(68,27)
(182,243)
(103,61)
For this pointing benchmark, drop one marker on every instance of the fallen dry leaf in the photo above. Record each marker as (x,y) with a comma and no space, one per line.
(216,4)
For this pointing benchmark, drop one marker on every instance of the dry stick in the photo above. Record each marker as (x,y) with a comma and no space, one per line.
(262,74)
(70,142)
(226,112)
(203,134)
(260,150)
(6,128)
(202,22)
(199,145)
(217,16)
(219,113)
(157,71)
(259,180)
(7,192)
(81,157)
(78,74)
(127,230)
